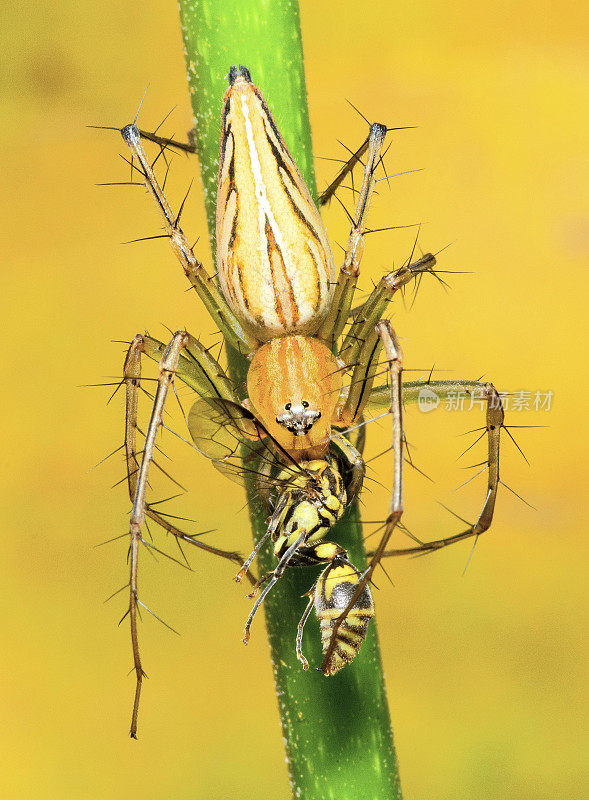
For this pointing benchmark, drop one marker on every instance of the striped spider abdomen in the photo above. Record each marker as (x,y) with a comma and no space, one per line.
(274,260)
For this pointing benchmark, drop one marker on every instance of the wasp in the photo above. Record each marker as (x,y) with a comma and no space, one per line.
(313,359)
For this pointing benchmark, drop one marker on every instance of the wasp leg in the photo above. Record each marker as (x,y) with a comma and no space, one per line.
(276,575)
(394,358)
(376,306)
(204,284)
(250,558)
(337,317)
(478,391)
(301,625)
(138,469)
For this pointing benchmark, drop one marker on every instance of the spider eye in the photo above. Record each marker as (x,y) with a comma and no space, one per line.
(288,406)
(305,404)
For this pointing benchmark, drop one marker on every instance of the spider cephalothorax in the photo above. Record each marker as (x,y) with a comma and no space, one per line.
(298,419)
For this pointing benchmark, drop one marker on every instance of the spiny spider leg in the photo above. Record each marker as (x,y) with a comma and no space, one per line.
(394,358)
(494,423)
(137,472)
(201,372)
(346,169)
(376,305)
(165,141)
(354,463)
(336,319)
(348,166)
(167,369)
(205,285)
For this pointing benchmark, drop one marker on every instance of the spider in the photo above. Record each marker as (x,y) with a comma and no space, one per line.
(280,303)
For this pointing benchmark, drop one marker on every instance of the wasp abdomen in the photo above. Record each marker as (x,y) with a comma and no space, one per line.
(333,591)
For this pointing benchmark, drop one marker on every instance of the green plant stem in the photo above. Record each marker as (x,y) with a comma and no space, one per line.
(337,730)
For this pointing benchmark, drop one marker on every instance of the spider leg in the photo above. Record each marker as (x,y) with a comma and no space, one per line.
(138,468)
(166,142)
(354,463)
(336,319)
(205,285)
(484,392)
(394,357)
(376,306)
(346,170)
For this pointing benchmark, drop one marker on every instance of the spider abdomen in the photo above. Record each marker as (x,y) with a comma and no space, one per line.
(274,260)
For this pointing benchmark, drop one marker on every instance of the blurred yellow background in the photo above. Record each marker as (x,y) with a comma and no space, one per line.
(486,673)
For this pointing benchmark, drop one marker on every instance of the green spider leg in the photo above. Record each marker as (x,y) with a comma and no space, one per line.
(186,358)
(478,391)
(204,284)
(336,319)
(394,358)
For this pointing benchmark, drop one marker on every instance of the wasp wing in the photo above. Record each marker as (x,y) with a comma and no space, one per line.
(237,443)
